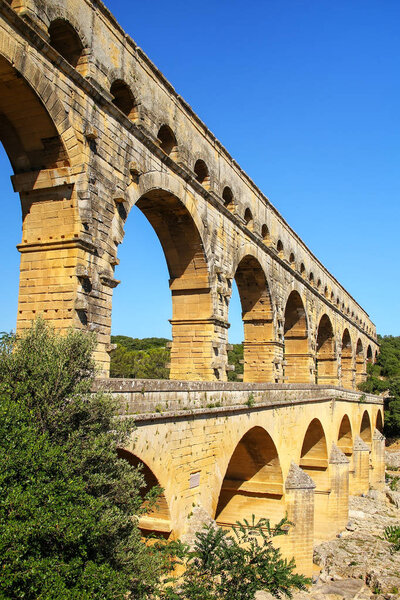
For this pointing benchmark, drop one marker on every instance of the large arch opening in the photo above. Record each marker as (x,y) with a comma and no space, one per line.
(253,482)
(258,345)
(34,148)
(366,429)
(326,362)
(360,363)
(297,367)
(379,421)
(158,519)
(192,328)
(345,437)
(347,361)
(314,461)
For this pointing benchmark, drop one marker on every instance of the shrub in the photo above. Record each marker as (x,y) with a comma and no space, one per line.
(66,500)
(234,566)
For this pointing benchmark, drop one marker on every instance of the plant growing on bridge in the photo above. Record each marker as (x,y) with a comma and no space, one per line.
(66,500)
(234,566)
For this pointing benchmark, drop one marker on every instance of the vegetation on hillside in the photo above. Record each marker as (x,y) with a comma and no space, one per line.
(148,358)
(385,376)
(139,358)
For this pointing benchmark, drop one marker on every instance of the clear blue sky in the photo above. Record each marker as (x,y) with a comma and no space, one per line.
(305,95)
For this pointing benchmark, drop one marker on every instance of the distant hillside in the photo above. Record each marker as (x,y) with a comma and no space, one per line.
(136,358)
(385,376)
(139,344)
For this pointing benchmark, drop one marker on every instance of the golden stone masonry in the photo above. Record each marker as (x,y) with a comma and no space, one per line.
(92,128)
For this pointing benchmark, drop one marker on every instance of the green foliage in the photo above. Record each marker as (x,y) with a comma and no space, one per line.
(66,500)
(392,535)
(234,567)
(385,376)
(139,359)
(235,357)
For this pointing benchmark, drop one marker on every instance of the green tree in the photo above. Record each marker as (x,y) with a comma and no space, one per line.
(66,501)
(235,566)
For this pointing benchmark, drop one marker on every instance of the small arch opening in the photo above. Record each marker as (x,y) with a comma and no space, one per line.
(227,197)
(279,247)
(265,234)
(66,41)
(326,291)
(302,270)
(202,173)
(248,218)
(292,259)
(318,284)
(311,278)
(167,141)
(124,99)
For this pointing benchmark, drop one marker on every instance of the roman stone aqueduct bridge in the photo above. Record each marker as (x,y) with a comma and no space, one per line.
(91,128)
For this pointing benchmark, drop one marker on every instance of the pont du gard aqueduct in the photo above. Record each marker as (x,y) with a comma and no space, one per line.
(92,128)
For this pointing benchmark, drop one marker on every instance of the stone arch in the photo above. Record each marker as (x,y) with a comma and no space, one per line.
(253,481)
(257,313)
(379,421)
(360,363)
(265,233)
(248,218)
(279,248)
(345,437)
(158,519)
(167,141)
(34,143)
(365,428)
(347,361)
(28,72)
(370,359)
(50,13)
(202,173)
(228,198)
(297,359)
(65,39)
(314,461)
(124,99)
(192,327)
(326,361)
